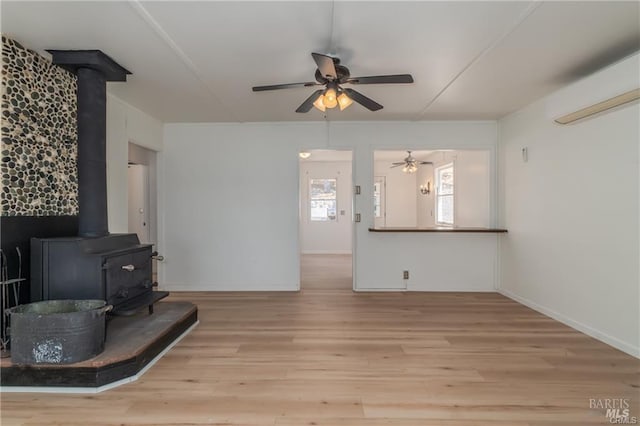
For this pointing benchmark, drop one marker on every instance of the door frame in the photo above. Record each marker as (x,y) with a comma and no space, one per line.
(145,187)
(353,214)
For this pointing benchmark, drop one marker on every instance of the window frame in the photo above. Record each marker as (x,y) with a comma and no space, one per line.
(438,196)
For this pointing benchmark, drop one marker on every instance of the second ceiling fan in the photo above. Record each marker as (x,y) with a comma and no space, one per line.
(332,75)
(410,163)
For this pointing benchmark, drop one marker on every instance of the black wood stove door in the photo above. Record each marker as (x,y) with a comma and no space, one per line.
(128,276)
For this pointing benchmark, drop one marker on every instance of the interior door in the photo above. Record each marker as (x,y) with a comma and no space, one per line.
(379,201)
(139,201)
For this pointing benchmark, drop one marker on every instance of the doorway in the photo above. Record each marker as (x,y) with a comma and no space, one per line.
(326,220)
(142,189)
(139,206)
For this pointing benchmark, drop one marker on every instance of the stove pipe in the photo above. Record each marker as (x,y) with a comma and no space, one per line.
(93,69)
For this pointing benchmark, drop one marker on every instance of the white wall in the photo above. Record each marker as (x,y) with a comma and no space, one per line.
(117,159)
(472,183)
(231,201)
(425,205)
(125,124)
(332,237)
(572,214)
(401,200)
(230,206)
(447,262)
(381,257)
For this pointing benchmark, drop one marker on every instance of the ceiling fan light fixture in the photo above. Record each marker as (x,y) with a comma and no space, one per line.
(410,168)
(330,98)
(330,73)
(344,101)
(319,103)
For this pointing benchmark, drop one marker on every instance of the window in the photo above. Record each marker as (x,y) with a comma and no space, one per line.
(322,199)
(377,199)
(444,195)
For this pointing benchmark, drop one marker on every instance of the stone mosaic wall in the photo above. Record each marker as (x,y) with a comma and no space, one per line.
(39,135)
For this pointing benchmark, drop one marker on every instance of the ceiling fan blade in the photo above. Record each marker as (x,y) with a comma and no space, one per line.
(370,104)
(325,65)
(284,86)
(382,79)
(396,165)
(399,163)
(306,105)
(426,162)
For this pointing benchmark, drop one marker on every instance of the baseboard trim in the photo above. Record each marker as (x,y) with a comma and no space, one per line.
(226,287)
(583,328)
(326,252)
(380,290)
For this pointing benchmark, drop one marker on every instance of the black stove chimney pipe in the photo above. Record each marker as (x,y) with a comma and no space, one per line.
(92,153)
(93,69)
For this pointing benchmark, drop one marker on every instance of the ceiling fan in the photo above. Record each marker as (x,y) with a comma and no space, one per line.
(410,163)
(332,75)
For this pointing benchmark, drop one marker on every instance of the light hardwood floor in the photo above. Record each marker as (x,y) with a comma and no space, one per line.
(328,356)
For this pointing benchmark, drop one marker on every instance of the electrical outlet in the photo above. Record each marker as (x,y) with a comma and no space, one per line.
(405,275)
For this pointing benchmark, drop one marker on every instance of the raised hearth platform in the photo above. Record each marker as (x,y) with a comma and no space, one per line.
(132,343)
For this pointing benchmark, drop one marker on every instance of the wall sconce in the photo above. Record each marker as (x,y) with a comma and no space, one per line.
(425,189)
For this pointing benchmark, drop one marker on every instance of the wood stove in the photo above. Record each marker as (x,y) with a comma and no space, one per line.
(95,264)
(115,268)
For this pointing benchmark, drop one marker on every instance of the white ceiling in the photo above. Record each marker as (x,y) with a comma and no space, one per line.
(197,61)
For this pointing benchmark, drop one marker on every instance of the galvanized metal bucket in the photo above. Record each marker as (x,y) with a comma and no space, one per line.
(57,331)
